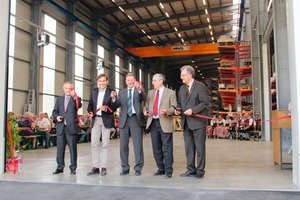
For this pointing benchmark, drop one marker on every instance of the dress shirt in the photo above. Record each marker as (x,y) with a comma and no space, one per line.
(100,100)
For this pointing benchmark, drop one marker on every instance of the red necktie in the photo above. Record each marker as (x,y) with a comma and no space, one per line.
(155,105)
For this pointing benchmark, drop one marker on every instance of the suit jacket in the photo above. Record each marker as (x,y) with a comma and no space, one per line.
(197,101)
(167,102)
(107,117)
(70,115)
(137,98)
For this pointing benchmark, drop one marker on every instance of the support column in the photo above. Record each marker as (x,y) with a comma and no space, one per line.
(112,59)
(35,55)
(4,26)
(70,49)
(281,54)
(293,29)
(256,32)
(94,49)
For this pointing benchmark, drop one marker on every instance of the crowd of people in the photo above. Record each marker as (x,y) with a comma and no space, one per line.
(137,111)
(233,126)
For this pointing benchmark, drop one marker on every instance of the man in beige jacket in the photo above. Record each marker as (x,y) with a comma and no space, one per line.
(159,109)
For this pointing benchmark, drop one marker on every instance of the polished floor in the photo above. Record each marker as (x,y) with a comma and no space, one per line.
(230,164)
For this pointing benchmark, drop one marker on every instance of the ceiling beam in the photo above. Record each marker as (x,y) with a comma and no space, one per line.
(129,6)
(187,28)
(177,16)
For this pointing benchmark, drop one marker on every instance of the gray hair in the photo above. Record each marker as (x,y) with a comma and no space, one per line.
(159,77)
(130,74)
(189,69)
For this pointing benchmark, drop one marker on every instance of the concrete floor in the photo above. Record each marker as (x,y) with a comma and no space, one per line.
(230,165)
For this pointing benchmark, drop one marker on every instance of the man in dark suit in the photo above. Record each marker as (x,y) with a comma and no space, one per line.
(102,122)
(67,128)
(131,120)
(159,108)
(192,99)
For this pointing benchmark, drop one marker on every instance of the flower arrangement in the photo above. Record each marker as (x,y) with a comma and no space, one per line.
(12,158)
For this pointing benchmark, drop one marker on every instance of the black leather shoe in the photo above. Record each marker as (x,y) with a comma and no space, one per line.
(58,171)
(103,171)
(168,175)
(73,171)
(123,173)
(159,173)
(199,176)
(138,173)
(94,171)
(188,174)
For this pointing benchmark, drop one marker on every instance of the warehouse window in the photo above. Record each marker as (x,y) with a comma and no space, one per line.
(11,56)
(48,70)
(117,73)
(130,67)
(79,64)
(100,54)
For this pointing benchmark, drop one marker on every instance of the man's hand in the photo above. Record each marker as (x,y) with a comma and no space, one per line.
(146,113)
(113,95)
(188,112)
(59,118)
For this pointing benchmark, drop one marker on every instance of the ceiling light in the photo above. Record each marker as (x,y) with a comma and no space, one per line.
(198,70)
(182,40)
(211,33)
(209,26)
(129,17)
(153,42)
(208,20)
(204,2)
(143,31)
(179,35)
(217,59)
(175,29)
(121,9)
(193,61)
(148,37)
(206,12)
(212,38)
(196,66)
(167,14)
(202,76)
(161,5)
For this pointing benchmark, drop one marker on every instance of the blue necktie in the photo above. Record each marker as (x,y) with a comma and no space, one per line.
(129,104)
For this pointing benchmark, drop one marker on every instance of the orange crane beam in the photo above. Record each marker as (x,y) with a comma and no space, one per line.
(179,50)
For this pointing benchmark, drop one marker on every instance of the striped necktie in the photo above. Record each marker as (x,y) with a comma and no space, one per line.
(129,103)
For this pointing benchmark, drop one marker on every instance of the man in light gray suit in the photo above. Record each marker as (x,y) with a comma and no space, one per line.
(67,128)
(192,99)
(159,109)
(131,120)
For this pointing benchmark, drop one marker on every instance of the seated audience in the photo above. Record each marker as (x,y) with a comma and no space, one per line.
(27,124)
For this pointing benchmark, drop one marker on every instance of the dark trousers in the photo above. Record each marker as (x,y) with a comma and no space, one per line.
(194,141)
(62,140)
(162,146)
(132,128)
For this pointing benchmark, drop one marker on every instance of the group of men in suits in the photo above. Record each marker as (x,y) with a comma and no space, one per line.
(160,106)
